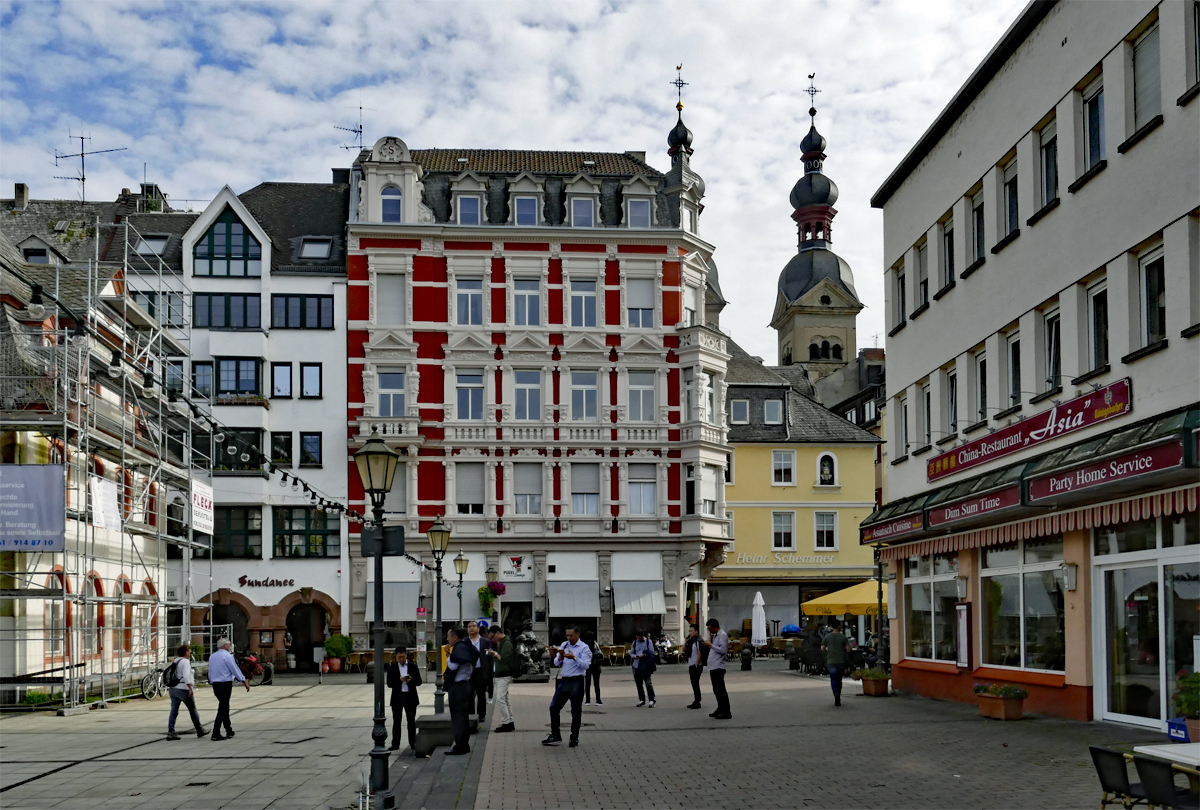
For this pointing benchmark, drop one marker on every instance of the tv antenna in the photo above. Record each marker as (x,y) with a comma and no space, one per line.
(82,155)
(356,131)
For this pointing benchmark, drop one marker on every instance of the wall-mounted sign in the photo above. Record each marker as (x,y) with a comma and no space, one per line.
(779,558)
(1090,409)
(516,567)
(105,512)
(1123,467)
(202,507)
(247,582)
(974,507)
(899,527)
(32,507)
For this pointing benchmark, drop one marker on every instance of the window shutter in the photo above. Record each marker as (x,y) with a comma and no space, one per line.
(528,479)
(708,483)
(396,500)
(1147,87)
(642,472)
(585,479)
(641,293)
(468,482)
(390,308)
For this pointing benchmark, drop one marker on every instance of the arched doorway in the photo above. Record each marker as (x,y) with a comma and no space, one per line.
(235,615)
(306,625)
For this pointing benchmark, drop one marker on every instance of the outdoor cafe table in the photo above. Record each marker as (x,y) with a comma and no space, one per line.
(1181,753)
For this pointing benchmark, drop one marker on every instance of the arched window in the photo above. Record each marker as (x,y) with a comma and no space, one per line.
(56,620)
(124,634)
(827,471)
(824,349)
(820,231)
(837,352)
(392,207)
(814,351)
(148,619)
(93,616)
(228,249)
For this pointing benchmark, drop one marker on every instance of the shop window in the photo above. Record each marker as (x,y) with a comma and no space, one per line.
(237,533)
(1022,605)
(1143,535)
(305,532)
(930,593)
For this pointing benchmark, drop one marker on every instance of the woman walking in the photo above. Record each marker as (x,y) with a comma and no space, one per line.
(593,671)
(643,655)
(181,679)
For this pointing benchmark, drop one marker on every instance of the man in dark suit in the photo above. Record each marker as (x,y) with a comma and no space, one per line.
(403,678)
(483,672)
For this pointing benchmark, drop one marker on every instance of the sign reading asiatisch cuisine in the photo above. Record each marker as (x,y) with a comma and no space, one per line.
(1092,408)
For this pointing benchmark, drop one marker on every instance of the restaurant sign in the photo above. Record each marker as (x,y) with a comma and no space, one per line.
(1129,465)
(893,529)
(1090,409)
(975,507)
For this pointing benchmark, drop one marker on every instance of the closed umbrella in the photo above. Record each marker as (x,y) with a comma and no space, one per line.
(758,623)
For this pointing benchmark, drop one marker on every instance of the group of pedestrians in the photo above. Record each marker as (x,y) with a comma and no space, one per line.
(180,677)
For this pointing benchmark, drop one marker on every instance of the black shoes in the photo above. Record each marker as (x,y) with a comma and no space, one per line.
(726,716)
(713,714)
(229,734)
(573,744)
(394,747)
(553,739)
(217,737)
(171,735)
(837,700)
(693,705)
(599,702)
(504,728)
(200,732)
(455,752)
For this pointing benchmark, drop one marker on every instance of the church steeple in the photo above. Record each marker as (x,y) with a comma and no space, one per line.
(814,194)
(684,187)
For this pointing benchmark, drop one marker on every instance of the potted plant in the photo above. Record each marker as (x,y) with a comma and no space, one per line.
(337,647)
(1187,703)
(1001,701)
(874,681)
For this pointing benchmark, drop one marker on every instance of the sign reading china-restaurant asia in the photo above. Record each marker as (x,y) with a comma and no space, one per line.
(1090,409)
(1130,465)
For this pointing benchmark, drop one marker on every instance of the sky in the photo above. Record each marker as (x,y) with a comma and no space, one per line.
(201,95)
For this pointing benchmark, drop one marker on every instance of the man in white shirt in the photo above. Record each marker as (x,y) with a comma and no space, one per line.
(403,678)
(717,649)
(482,673)
(184,691)
(574,657)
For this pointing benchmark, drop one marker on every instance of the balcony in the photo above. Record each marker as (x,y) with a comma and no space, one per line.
(394,429)
(700,432)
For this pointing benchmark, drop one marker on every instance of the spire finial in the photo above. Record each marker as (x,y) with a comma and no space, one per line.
(679,85)
(812,98)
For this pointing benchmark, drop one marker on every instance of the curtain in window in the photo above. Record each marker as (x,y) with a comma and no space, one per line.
(1147,79)
(468,482)
(390,304)
(641,293)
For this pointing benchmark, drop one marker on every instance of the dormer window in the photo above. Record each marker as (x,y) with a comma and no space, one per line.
(36,255)
(392,205)
(315,248)
(151,246)
(525,211)
(468,210)
(639,213)
(228,249)
(582,212)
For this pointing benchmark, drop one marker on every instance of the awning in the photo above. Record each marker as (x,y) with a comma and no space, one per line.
(858,600)
(639,597)
(518,592)
(575,598)
(470,600)
(400,601)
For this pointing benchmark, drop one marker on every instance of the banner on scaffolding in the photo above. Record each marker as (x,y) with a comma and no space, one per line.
(105,512)
(202,507)
(32,507)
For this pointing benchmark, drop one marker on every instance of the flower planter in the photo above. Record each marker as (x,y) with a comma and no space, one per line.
(1001,708)
(335,665)
(877,687)
(1193,728)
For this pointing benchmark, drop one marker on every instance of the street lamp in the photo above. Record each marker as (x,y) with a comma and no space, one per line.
(439,541)
(491,575)
(460,565)
(376,463)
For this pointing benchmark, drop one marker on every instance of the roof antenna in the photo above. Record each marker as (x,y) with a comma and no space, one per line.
(82,155)
(812,98)
(356,131)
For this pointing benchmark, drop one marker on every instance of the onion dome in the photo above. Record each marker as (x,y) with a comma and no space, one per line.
(814,141)
(814,189)
(809,267)
(680,137)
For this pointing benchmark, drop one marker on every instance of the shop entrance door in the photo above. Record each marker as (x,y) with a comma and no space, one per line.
(514,616)
(306,623)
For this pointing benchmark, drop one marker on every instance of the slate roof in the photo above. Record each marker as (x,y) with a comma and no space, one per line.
(797,375)
(742,369)
(70,281)
(808,267)
(291,211)
(75,237)
(514,161)
(173,225)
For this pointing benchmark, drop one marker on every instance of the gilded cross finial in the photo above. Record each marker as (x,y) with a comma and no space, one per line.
(812,97)
(679,85)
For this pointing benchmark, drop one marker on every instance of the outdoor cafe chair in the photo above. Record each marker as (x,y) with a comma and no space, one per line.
(778,645)
(354,660)
(1114,778)
(1158,784)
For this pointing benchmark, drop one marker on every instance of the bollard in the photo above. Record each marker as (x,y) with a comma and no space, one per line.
(747,657)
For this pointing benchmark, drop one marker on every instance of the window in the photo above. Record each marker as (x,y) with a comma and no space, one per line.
(1147,84)
(527,482)
(639,213)
(527,307)
(225,311)
(710,397)
(773,412)
(930,594)
(470,395)
(1021,603)
(55,627)
(392,204)
(529,395)
(310,449)
(228,249)
(581,212)
(641,302)
(952,400)
(174,379)
(469,488)
(470,301)
(901,296)
(981,399)
(1144,535)
(1154,300)
(391,299)
(783,464)
(948,253)
(825,528)
(729,468)
(689,489)
(922,262)
(585,489)
(1014,368)
(302,311)
(315,248)
(151,245)
(93,617)
(1098,324)
(641,396)
(395,501)
(902,413)
(583,303)
(1093,124)
(525,210)
(391,392)
(585,393)
(281,380)
(708,490)
(689,394)
(1012,215)
(237,533)
(238,375)
(1049,163)
(827,470)
(642,493)
(1053,335)
(166,308)
(468,210)
(281,449)
(783,536)
(739,412)
(305,532)
(36,255)
(926,416)
(977,226)
(310,380)
(202,379)
(691,305)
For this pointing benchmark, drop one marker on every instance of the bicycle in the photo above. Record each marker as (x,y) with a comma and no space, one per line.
(252,670)
(153,685)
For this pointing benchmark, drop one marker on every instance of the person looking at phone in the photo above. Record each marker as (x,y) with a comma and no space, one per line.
(574,657)
(403,679)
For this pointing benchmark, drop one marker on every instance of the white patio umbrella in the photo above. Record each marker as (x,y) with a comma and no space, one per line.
(758,621)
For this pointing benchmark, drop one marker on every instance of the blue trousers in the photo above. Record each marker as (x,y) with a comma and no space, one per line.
(569,690)
(179,694)
(836,672)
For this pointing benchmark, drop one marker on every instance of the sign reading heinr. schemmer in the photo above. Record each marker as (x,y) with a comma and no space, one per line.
(1090,409)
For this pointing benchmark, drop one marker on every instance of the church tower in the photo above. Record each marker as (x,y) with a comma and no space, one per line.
(816,305)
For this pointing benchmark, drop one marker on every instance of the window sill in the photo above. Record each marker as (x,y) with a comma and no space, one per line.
(1191,331)
(948,667)
(1188,95)
(1156,346)
(1045,395)
(980,425)
(949,286)
(241,473)
(973,266)
(900,460)
(1087,176)
(916,313)
(920,451)
(1007,412)
(1034,677)
(311,466)
(1006,241)
(1045,209)
(895,331)
(1141,132)
(952,437)
(1091,375)
(827,487)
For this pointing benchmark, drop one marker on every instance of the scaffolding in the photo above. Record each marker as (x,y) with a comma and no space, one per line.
(104,397)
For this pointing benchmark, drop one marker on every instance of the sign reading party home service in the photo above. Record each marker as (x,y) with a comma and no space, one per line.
(975,507)
(32,507)
(1130,465)
(1090,409)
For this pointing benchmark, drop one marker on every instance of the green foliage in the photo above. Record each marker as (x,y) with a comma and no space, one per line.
(873,674)
(197,652)
(338,646)
(1187,696)
(1001,690)
(36,698)
(486,599)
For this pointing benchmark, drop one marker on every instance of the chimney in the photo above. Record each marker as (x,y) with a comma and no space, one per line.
(20,196)
(341,176)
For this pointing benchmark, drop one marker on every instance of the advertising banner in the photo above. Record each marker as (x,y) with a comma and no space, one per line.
(1130,465)
(893,529)
(202,507)
(105,511)
(516,568)
(32,507)
(975,507)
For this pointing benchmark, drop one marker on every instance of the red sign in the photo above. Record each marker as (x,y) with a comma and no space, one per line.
(974,507)
(1121,468)
(1090,409)
(893,528)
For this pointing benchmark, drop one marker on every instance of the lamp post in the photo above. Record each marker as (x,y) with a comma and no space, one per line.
(491,575)
(439,541)
(460,565)
(376,463)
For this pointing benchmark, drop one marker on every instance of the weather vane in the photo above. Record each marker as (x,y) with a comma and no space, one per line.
(679,85)
(812,97)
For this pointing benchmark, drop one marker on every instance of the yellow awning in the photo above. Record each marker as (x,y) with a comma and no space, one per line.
(858,600)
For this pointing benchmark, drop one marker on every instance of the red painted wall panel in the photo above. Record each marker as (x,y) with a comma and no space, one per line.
(569,248)
(499,305)
(671,307)
(498,272)
(377,242)
(431,481)
(673,482)
(357,268)
(541,247)
(673,387)
(356,340)
(431,383)
(642,249)
(554,272)
(612,307)
(671,274)
(429,268)
(354,383)
(468,245)
(554,305)
(429,304)
(429,346)
(358,303)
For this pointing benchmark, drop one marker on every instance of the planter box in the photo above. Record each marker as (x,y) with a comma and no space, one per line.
(1000,708)
(877,687)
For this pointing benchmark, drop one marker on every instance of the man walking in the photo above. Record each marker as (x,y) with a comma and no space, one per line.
(643,655)
(223,670)
(459,668)
(717,649)
(835,645)
(403,679)
(504,661)
(593,674)
(693,651)
(183,691)
(574,657)
(482,673)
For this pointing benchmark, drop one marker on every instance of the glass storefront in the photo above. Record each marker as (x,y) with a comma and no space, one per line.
(930,593)
(1023,615)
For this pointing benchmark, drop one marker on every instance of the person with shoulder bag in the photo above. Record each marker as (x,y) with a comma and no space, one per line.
(180,679)
(643,654)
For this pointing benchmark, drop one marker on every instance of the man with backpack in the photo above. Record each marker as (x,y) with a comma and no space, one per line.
(504,656)
(181,681)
